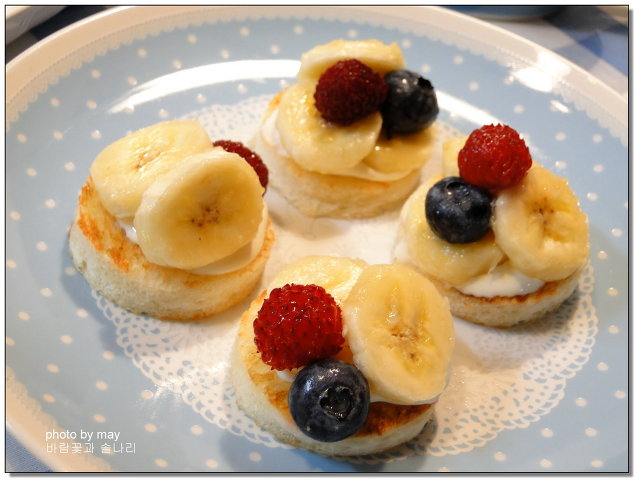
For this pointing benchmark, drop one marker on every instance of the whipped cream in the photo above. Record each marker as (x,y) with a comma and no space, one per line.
(240,258)
(361,170)
(505,280)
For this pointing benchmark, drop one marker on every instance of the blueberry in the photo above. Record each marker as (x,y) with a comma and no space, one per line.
(457,211)
(329,400)
(411,104)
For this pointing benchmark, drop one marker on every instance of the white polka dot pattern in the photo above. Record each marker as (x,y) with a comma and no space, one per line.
(255,456)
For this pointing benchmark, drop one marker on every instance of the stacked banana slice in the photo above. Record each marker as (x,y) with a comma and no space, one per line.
(400,332)
(316,144)
(189,204)
(540,227)
(126,168)
(381,57)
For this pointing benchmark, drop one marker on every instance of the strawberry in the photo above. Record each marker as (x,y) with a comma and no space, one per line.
(494,157)
(250,156)
(297,324)
(348,91)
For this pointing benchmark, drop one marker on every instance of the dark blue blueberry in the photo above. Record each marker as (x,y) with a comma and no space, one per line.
(411,104)
(329,400)
(457,211)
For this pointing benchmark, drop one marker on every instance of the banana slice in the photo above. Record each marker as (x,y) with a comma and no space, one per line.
(316,144)
(202,210)
(336,275)
(126,168)
(452,263)
(380,57)
(401,153)
(539,225)
(400,332)
(450,150)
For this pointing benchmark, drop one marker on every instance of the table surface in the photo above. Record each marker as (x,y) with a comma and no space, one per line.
(594,38)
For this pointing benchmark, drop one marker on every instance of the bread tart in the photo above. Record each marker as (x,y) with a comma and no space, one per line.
(343,358)
(169,226)
(503,251)
(347,149)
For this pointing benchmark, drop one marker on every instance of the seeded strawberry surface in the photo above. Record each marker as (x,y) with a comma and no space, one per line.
(250,156)
(297,324)
(348,91)
(494,157)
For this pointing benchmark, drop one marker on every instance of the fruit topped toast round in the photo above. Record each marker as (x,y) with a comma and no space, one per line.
(169,225)
(501,236)
(349,138)
(343,358)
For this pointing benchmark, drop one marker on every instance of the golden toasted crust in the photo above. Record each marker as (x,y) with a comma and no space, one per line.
(117,268)
(263,395)
(503,311)
(319,195)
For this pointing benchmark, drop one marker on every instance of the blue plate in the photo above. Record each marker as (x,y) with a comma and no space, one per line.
(92,387)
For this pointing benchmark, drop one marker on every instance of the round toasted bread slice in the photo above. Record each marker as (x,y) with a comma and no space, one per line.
(116,267)
(263,395)
(337,196)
